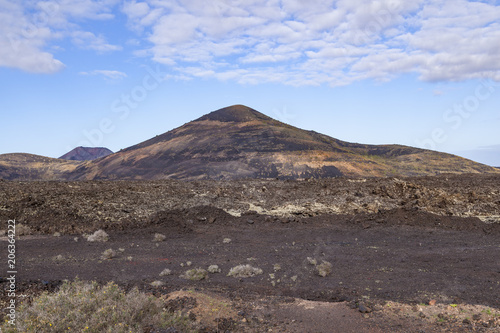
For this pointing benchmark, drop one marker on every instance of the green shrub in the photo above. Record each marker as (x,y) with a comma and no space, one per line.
(87,307)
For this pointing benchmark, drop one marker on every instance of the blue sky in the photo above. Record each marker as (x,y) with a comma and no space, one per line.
(114,73)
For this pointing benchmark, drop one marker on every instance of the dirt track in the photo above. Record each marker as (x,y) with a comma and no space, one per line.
(388,252)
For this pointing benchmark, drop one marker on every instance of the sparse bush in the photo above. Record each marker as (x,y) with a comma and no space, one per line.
(244,271)
(277,267)
(214,269)
(59,257)
(312,261)
(57,234)
(23,230)
(195,274)
(157,283)
(86,307)
(108,254)
(98,236)
(165,272)
(188,263)
(159,238)
(324,269)
(226,240)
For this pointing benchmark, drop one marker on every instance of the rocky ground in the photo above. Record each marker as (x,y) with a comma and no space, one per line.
(404,255)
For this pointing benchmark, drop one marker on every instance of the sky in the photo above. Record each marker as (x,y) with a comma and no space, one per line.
(114,73)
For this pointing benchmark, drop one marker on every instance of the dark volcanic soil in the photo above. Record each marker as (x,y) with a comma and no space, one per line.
(391,255)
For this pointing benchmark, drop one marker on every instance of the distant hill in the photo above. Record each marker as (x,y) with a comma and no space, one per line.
(86,153)
(239,142)
(34,167)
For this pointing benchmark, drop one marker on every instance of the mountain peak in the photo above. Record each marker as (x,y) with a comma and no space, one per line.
(86,153)
(235,113)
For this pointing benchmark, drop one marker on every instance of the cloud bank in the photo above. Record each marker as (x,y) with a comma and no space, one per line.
(289,42)
(316,42)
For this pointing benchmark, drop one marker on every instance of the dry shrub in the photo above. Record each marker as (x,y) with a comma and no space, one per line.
(165,272)
(195,274)
(312,261)
(98,236)
(159,237)
(59,257)
(324,269)
(157,283)
(108,254)
(244,271)
(87,307)
(213,269)
(23,230)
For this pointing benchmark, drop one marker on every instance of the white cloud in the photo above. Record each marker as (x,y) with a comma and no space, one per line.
(322,41)
(113,75)
(21,42)
(87,40)
(31,28)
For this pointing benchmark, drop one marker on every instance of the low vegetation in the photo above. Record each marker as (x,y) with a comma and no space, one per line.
(87,307)
(244,271)
(108,254)
(324,269)
(98,236)
(312,261)
(23,230)
(165,272)
(159,237)
(214,269)
(157,283)
(59,257)
(195,274)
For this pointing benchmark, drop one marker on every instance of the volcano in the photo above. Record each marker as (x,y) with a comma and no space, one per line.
(240,142)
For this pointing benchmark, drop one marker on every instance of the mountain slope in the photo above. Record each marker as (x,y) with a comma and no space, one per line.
(239,142)
(86,153)
(22,166)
